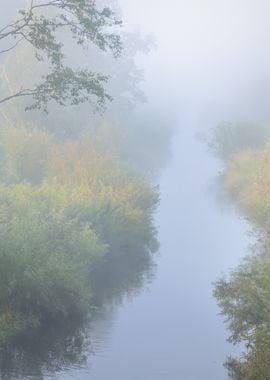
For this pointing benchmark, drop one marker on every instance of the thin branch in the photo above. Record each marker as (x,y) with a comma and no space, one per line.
(6,118)
(25,92)
(7,80)
(12,47)
(40,32)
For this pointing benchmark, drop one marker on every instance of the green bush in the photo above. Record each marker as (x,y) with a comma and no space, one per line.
(52,239)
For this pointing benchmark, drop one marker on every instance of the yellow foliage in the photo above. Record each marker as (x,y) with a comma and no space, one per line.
(248,179)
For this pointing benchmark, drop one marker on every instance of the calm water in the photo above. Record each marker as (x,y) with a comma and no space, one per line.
(169,330)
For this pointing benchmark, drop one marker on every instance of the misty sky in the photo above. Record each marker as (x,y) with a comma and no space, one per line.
(212,57)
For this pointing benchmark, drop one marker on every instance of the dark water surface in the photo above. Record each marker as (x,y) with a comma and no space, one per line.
(169,330)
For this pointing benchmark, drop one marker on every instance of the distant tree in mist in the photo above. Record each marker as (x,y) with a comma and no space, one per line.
(40,25)
(231,138)
(125,116)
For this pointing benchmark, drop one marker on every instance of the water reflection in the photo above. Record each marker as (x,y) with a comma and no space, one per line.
(54,349)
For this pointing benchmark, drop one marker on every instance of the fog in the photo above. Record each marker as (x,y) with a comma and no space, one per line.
(152,315)
(212,57)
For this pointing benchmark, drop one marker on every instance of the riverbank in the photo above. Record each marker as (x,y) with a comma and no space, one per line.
(70,214)
(243,295)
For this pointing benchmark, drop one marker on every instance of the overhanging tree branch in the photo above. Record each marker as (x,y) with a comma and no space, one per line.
(38,26)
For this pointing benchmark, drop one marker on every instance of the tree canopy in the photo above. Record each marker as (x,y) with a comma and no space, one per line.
(40,25)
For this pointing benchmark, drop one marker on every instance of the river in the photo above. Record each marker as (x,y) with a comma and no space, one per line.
(170,330)
(166,326)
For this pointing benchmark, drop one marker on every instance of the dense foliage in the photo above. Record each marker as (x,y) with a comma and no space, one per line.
(65,210)
(244,295)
